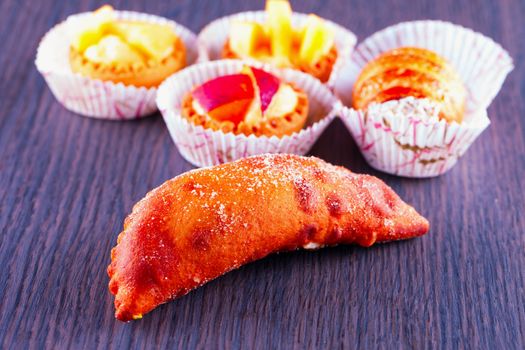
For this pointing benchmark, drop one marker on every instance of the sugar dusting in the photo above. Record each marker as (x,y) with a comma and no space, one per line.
(212,191)
(409,107)
(312,246)
(211,201)
(211,198)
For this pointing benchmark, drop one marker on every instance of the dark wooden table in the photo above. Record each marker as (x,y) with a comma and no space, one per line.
(67,182)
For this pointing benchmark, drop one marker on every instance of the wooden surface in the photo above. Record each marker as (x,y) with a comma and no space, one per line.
(67,182)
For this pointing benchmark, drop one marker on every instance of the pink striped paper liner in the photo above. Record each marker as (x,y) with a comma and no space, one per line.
(206,147)
(430,147)
(93,97)
(212,38)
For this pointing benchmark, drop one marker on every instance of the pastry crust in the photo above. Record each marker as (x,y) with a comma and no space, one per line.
(411,71)
(140,74)
(278,125)
(209,221)
(321,69)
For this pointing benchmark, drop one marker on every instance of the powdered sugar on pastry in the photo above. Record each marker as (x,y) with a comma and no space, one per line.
(207,222)
(422,109)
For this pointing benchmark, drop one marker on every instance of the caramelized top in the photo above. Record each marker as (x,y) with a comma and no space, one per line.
(415,72)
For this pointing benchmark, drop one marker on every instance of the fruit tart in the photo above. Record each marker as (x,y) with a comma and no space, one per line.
(411,72)
(310,48)
(251,102)
(135,53)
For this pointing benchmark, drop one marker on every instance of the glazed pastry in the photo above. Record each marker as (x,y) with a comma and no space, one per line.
(310,48)
(253,102)
(209,221)
(127,52)
(411,72)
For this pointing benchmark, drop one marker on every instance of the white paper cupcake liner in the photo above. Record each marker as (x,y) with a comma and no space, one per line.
(404,144)
(431,147)
(207,147)
(93,97)
(213,37)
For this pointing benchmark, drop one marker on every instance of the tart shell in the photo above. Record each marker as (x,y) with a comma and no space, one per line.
(215,35)
(92,97)
(205,146)
(321,69)
(149,74)
(271,125)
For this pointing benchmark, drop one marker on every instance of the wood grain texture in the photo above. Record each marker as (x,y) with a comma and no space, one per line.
(67,182)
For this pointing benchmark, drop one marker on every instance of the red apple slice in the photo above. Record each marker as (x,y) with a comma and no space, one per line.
(266,83)
(227,97)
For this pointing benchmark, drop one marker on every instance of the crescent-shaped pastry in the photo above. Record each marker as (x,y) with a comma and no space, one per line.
(411,71)
(209,221)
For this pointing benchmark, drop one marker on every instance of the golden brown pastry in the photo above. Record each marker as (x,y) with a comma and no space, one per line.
(310,48)
(129,52)
(253,102)
(141,73)
(411,71)
(209,221)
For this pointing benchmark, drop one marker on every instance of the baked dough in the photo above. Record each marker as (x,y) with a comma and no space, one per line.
(321,69)
(270,125)
(147,74)
(411,71)
(209,221)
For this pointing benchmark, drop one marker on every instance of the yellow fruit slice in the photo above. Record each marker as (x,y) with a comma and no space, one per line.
(317,40)
(156,41)
(283,102)
(92,29)
(244,37)
(279,27)
(111,49)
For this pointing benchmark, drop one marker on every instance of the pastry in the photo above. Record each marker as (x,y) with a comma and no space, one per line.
(209,221)
(411,72)
(135,53)
(310,48)
(252,102)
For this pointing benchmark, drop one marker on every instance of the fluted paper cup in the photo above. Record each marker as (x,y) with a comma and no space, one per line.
(213,37)
(206,147)
(415,143)
(92,97)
